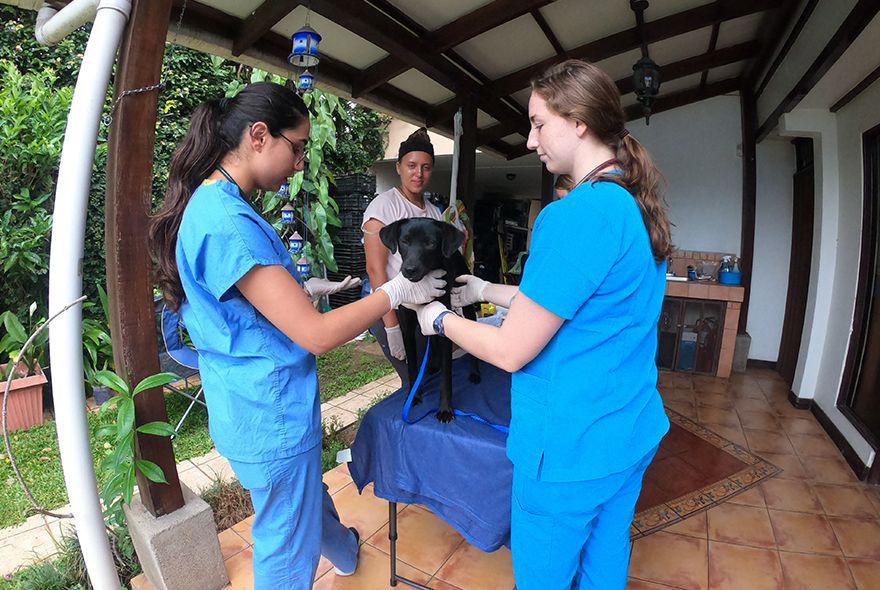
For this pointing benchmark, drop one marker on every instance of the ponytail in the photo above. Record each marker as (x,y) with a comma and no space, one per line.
(645,182)
(581,91)
(216,129)
(193,160)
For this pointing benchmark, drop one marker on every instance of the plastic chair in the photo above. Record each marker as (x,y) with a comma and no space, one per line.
(179,358)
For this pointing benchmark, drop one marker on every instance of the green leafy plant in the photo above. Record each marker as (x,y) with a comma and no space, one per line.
(32,119)
(97,347)
(13,340)
(120,463)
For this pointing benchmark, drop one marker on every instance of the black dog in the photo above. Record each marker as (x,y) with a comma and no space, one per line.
(426,245)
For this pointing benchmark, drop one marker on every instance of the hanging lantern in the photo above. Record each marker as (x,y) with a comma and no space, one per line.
(305,81)
(646,80)
(302,267)
(305,48)
(295,243)
(287,214)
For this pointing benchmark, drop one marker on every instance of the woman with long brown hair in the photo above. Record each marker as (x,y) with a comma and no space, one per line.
(256,331)
(580,339)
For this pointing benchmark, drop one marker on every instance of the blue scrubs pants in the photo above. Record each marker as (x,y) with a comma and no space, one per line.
(295,522)
(574,535)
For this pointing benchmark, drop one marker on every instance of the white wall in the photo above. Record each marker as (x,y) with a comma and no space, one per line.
(775,167)
(852,121)
(834,272)
(696,149)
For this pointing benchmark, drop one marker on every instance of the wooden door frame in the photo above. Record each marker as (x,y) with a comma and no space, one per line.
(803,164)
(867,262)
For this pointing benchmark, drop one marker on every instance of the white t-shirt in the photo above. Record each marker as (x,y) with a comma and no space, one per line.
(391,206)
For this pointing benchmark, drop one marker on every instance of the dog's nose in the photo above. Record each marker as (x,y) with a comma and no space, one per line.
(408,270)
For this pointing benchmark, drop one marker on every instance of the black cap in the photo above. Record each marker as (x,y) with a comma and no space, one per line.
(417,142)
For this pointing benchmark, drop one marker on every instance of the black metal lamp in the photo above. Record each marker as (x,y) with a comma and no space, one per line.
(646,81)
(646,73)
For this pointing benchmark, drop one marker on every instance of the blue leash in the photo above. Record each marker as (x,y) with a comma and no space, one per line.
(415,387)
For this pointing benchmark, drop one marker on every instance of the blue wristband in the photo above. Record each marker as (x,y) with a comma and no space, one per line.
(438,322)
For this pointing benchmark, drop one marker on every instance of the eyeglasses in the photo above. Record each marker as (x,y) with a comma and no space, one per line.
(298,148)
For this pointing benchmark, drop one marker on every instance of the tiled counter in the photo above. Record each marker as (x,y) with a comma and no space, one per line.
(732,296)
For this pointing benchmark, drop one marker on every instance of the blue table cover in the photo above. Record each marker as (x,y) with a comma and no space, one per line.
(458,470)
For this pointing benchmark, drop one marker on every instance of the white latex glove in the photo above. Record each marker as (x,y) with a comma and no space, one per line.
(395,342)
(317,287)
(402,290)
(471,291)
(427,314)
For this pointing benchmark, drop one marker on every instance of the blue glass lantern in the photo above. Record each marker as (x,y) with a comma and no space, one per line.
(295,242)
(302,267)
(305,81)
(305,48)
(287,214)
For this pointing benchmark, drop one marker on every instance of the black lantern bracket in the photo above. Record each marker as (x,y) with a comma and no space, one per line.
(646,73)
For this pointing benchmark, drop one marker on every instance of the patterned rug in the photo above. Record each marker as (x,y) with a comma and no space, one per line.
(694,470)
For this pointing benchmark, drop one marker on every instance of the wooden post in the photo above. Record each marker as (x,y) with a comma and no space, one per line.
(467,155)
(749,192)
(128,203)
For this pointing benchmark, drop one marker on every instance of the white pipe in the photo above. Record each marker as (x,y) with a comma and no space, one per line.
(456,154)
(52,25)
(65,284)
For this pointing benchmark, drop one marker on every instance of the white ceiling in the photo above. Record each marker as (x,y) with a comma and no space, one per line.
(415,91)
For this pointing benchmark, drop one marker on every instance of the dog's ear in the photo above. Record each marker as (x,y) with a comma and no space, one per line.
(452,239)
(390,234)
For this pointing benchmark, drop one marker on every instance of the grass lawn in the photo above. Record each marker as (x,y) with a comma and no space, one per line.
(339,371)
(350,366)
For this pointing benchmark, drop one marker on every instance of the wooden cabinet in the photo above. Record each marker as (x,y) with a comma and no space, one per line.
(689,335)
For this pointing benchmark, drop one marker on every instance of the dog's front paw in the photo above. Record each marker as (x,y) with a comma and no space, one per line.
(474,377)
(445,416)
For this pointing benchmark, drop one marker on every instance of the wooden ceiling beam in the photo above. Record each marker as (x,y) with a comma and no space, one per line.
(669,72)
(484,18)
(492,133)
(852,26)
(672,101)
(365,20)
(713,42)
(548,32)
(446,37)
(772,30)
(260,22)
(199,17)
(696,64)
(658,30)
(685,97)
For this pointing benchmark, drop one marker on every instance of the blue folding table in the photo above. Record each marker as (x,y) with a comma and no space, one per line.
(458,470)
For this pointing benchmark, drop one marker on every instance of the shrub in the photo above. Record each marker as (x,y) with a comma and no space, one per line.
(33,114)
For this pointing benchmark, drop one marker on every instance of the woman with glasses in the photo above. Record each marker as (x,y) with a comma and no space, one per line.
(227,271)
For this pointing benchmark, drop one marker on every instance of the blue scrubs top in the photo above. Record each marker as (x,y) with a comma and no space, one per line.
(587,405)
(261,389)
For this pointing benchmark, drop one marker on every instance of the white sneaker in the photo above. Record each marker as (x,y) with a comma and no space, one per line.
(357,539)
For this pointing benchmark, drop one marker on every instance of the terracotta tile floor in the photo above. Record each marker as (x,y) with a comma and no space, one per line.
(814,527)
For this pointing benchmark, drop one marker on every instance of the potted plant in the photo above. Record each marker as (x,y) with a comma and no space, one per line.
(24,405)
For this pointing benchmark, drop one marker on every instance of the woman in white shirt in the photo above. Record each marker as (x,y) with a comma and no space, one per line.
(415,163)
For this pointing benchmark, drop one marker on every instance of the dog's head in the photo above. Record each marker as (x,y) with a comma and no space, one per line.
(424,244)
